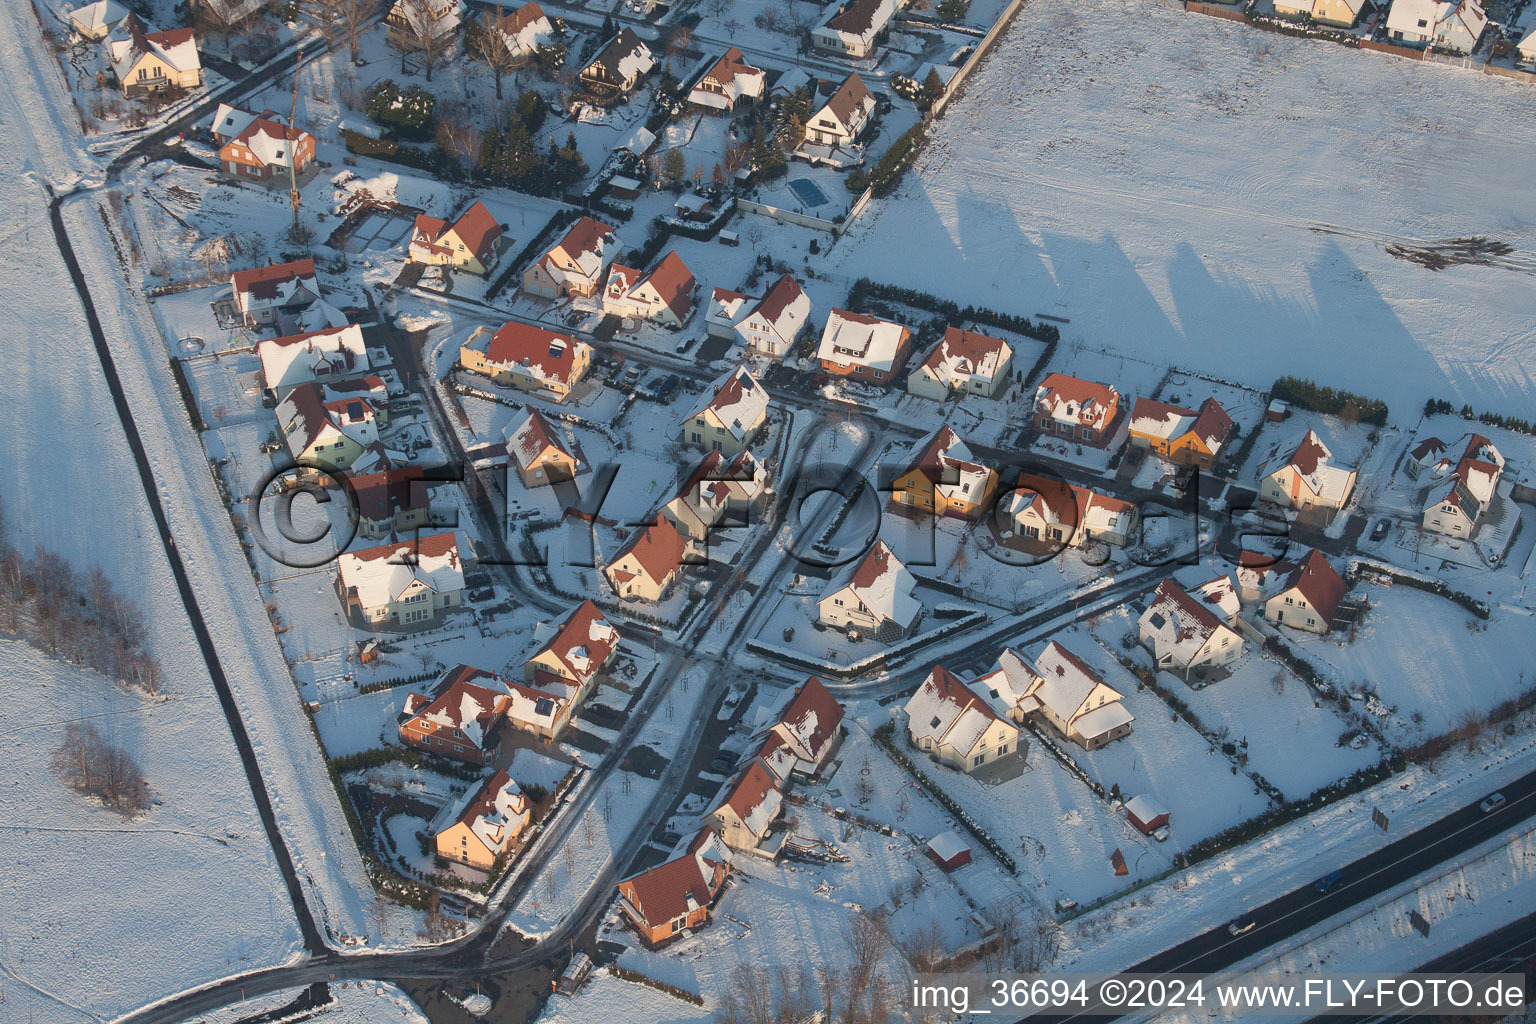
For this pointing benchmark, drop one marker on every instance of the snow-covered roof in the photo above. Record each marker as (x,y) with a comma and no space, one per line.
(589,245)
(624,59)
(1178,623)
(947,846)
(737,400)
(277,285)
(1072,400)
(639,141)
(945,460)
(494,812)
(882,583)
(1312,461)
(96,19)
(380,575)
(527,439)
(297,358)
(811,721)
(961,355)
(1145,808)
(729,79)
(304,413)
(464,698)
(428,17)
(526,28)
(177,47)
(755,798)
(1469,466)
(863,340)
(1079,509)
(1210,423)
(682,884)
(582,642)
(948,712)
(542,354)
(1066,684)
(858,20)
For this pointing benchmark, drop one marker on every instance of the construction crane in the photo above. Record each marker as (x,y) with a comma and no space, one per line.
(293,141)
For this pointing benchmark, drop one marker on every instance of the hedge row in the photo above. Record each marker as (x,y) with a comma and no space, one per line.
(1309,394)
(1467,601)
(883,737)
(1492,419)
(390,684)
(864,289)
(407,756)
(883,178)
(537,244)
(625,974)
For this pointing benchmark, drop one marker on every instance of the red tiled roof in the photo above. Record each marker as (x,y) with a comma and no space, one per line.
(750,790)
(658,547)
(661,893)
(813,699)
(1319,583)
(454,693)
(262,282)
(673,281)
(516,342)
(576,632)
(379,496)
(478,229)
(1308,454)
(584,236)
(784,291)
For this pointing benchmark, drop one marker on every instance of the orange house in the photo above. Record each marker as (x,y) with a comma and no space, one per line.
(663,901)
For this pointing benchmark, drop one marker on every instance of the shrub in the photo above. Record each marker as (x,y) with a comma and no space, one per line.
(407,113)
(1308,394)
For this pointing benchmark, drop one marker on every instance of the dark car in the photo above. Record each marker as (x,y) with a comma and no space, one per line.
(1380,529)
(1332,880)
(666,386)
(723,763)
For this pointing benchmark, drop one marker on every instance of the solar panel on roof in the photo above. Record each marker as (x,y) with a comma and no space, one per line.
(543,706)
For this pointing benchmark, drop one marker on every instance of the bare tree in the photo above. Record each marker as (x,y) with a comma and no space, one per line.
(588,828)
(457,135)
(327,17)
(492,45)
(829,982)
(865,937)
(227,18)
(90,765)
(355,17)
(923,946)
(431,31)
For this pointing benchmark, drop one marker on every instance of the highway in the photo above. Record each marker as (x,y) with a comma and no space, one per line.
(1369,876)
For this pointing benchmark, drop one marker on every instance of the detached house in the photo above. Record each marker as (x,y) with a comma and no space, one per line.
(408,585)
(770,325)
(618,66)
(95,21)
(1186,437)
(1059,688)
(841,120)
(717,487)
(663,294)
(963,362)
(1338,13)
(563,671)
(648,562)
(330,426)
(541,453)
(147,62)
(391,501)
(863,347)
(335,353)
(853,28)
(470,243)
(458,719)
(1305,478)
(675,896)
(873,596)
(1449,24)
(955,726)
(524,31)
(805,736)
(260,147)
(528,358)
(479,826)
(752,804)
(944,478)
(1190,633)
(1460,481)
(1056,512)
(732,415)
(1310,596)
(577,264)
(728,82)
(1077,410)
(416,24)
(265,295)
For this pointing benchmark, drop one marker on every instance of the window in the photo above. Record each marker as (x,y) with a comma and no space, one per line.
(979,760)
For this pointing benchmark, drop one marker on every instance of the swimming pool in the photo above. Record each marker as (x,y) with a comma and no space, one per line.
(808,192)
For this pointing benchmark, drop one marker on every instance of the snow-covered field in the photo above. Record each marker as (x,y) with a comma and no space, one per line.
(1204,194)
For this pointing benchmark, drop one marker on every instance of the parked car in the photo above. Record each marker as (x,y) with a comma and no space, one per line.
(1332,880)
(631,374)
(666,386)
(723,763)
(1380,529)
(1492,804)
(1242,926)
